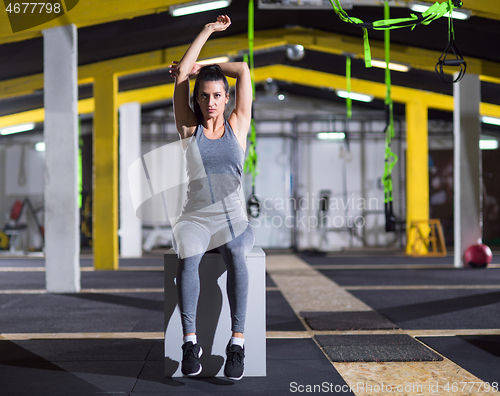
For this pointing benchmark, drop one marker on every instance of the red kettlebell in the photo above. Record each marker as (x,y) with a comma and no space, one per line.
(478,256)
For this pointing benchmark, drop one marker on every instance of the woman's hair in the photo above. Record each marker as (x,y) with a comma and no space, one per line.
(207,73)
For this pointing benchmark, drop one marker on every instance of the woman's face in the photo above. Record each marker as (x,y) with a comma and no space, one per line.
(212,98)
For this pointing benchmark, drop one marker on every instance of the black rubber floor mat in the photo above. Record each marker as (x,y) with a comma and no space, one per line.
(376,348)
(279,315)
(357,320)
(436,308)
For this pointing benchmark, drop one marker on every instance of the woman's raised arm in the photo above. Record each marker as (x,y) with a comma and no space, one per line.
(242,114)
(185,119)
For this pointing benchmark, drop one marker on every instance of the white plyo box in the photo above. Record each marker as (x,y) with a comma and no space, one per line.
(213,321)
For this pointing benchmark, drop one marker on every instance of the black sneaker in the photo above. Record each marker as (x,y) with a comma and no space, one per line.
(234,367)
(191,358)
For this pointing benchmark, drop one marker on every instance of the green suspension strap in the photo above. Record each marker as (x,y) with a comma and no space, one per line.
(253,204)
(358,22)
(348,100)
(434,12)
(390,157)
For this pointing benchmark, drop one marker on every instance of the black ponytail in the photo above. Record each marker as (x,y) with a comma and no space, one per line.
(207,73)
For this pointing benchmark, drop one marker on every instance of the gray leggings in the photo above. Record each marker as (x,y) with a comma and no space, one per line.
(188,280)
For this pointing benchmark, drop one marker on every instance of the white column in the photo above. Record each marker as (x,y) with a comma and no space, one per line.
(130,150)
(467,165)
(62,219)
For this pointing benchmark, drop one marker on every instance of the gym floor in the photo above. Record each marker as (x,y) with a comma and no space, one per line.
(338,324)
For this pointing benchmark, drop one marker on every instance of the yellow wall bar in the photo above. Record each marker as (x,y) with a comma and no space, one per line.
(417,168)
(105,188)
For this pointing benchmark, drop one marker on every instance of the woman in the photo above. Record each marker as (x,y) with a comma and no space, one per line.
(214,214)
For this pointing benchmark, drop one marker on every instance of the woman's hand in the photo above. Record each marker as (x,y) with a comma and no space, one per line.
(194,71)
(221,24)
(179,68)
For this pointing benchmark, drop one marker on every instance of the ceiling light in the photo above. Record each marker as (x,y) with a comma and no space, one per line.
(489,144)
(40,146)
(490,120)
(331,135)
(17,128)
(355,96)
(220,59)
(198,6)
(462,14)
(392,66)
(304,4)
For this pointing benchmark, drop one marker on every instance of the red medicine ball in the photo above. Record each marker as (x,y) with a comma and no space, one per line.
(478,256)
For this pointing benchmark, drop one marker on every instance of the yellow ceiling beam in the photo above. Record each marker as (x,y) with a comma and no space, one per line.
(285,73)
(85,106)
(21,86)
(37,115)
(483,8)
(94,12)
(134,64)
(318,79)
(87,13)
(154,60)
(490,110)
(417,58)
(28,85)
(232,46)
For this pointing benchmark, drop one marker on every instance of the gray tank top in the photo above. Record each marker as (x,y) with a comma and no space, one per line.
(214,168)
